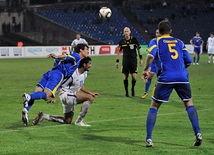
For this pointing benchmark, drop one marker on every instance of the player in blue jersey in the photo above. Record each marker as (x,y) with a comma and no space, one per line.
(197,42)
(152,69)
(172,59)
(52,80)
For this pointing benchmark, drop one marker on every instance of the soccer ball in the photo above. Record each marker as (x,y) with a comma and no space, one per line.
(105,12)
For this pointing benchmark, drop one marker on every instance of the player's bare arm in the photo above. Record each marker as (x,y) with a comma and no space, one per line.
(118,58)
(149,60)
(95,95)
(52,55)
(141,57)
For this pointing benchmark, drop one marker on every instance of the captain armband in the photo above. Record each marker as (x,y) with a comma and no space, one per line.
(141,57)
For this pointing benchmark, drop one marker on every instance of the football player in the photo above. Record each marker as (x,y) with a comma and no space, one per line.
(52,80)
(70,97)
(172,57)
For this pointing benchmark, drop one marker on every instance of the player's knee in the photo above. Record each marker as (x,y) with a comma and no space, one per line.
(90,98)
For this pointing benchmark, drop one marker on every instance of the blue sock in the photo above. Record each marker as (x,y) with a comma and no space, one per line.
(198,59)
(151,119)
(38,95)
(193,116)
(194,60)
(28,108)
(31,102)
(148,85)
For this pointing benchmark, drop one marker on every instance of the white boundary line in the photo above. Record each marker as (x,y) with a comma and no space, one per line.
(107,120)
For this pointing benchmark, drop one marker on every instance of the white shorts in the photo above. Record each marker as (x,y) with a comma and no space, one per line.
(68,100)
(210,50)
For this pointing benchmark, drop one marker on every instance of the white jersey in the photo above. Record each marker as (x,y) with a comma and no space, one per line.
(80,41)
(74,83)
(210,42)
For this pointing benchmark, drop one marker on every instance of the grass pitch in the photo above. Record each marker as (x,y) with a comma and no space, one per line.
(118,123)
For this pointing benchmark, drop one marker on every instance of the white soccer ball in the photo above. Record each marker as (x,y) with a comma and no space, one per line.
(105,12)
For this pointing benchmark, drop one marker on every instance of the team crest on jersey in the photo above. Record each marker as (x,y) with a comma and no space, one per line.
(131,47)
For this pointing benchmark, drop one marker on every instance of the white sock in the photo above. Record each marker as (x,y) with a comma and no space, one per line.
(209,58)
(53,118)
(84,109)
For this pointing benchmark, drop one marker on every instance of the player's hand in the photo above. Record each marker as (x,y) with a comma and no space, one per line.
(52,101)
(117,64)
(144,76)
(141,62)
(51,55)
(95,95)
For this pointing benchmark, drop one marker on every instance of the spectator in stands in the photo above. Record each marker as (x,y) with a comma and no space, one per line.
(164,4)
(4,28)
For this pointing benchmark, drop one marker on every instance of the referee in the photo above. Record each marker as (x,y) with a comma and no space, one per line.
(129,45)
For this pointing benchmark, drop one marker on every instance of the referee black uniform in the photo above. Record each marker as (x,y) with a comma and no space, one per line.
(129,64)
(129,47)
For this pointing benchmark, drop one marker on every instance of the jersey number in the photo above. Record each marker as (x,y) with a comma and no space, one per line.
(173,51)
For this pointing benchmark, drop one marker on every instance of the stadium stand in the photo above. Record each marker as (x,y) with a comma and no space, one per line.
(88,22)
(186,19)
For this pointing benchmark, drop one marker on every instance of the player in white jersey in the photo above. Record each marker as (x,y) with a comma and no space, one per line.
(210,47)
(70,97)
(78,40)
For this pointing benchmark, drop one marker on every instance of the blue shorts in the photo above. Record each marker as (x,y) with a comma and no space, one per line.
(197,50)
(163,91)
(51,80)
(152,68)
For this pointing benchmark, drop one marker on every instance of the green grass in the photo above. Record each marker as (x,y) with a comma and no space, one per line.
(118,124)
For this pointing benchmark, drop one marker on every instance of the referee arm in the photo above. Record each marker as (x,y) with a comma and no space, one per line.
(141,57)
(118,58)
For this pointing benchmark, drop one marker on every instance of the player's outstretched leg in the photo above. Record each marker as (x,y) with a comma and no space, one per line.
(29,101)
(193,116)
(151,119)
(25,116)
(38,118)
(26,101)
(26,97)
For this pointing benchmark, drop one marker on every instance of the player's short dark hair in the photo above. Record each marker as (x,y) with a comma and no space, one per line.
(164,27)
(211,33)
(197,32)
(80,46)
(85,60)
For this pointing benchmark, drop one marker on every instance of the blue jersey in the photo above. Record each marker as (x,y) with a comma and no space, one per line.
(149,48)
(170,56)
(69,65)
(57,61)
(197,41)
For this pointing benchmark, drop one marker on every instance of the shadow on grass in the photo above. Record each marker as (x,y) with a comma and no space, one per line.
(113,139)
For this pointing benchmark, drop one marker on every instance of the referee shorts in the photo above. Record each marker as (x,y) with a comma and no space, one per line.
(129,66)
